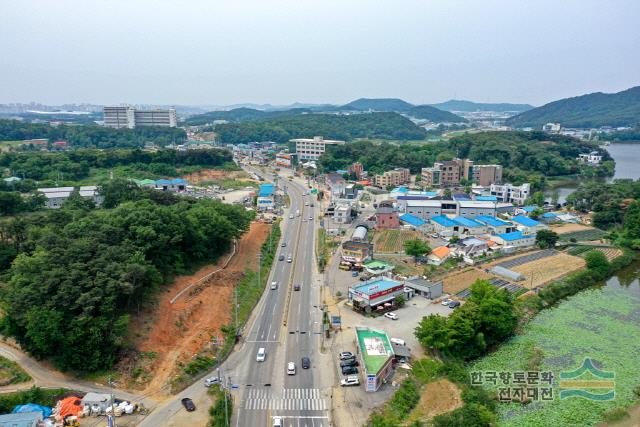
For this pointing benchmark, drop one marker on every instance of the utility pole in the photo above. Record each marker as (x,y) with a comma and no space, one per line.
(113,411)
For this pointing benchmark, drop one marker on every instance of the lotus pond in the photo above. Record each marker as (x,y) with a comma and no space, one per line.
(602,324)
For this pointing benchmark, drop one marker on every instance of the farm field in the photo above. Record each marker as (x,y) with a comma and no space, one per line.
(577,231)
(570,228)
(581,251)
(543,271)
(601,324)
(456,282)
(392,241)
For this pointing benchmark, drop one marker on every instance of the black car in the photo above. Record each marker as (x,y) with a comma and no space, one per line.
(306,363)
(348,362)
(188,404)
(281,258)
(349,370)
(296,287)
(454,304)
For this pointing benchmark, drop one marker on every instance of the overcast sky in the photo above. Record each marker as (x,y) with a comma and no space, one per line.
(266,51)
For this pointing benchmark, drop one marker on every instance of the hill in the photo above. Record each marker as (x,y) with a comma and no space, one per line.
(331,126)
(592,110)
(470,106)
(433,114)
(242,114)
(379,104)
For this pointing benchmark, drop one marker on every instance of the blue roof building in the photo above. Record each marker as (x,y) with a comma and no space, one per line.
(266,190)
(374,293)
(444,221)
(525,221)
(487,198)
(492,221)
(515,239)
(529,209)
(467,222)
(412,220)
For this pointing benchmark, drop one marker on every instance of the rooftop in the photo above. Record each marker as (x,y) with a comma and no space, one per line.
(412,220)
(441,252)
(266,190)
(492,221)
(487,198)
(526,221)
(378,285)
(444,221)
(529,209)
(467,222)
(375,348)
(516,235)
(476,204)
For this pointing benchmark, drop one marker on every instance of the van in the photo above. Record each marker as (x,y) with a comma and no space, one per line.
(291,368)
(398,341)
(262,354)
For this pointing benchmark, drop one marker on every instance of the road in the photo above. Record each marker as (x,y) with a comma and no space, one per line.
(287,324)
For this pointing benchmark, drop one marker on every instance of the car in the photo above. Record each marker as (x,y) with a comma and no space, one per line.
(283,244)
(454,304)
(289,258)
(281,258)
(391,316)
(262,355)
(310,218)
(349,362)
(350,381)
(291,368)
(274,285)
(435,236)
(312,205)
(349,370)
(346,355)
(188,404)
(211,381)
(446,301)
(306,203)
(296,287)
(277,421)
(290,216)
(354,274)
(306,363)
(304,220)
(398,341)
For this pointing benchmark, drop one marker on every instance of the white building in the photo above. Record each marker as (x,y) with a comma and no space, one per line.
(593,158)
(312,149)
(551,127)
(511,193)
(56,196)
(514,240)
(430,208)
(129,117)
(342,214)
(527,225)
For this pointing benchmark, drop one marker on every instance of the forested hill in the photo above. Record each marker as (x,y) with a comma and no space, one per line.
(379,104)
(330,126)
(592,110)
(242,115)
(470,106)
(91,136)
(433,114)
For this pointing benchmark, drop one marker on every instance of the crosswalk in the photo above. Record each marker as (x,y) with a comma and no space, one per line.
(291,399)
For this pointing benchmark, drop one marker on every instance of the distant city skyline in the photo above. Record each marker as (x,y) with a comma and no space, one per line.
(215,53)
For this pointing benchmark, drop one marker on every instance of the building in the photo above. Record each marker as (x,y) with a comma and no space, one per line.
(430,177)
(386,217)
(359,234)
(593,158)
(395,177)
(129,117)
(55,197)
(312,149)
(473,208)
(369,295)
(438,255)
(425,288)
(98,402)
(377,267)
(414,221)
(174,185)
(472,247)
(283,160)
(357,169)
(486,175)
(510,193)
(357,252)
(336,184)
(527,225)
(552,127)
(21,419)
(376,357)
(495,225)
(342,213)
(514,240)
(404,192)
(266,197)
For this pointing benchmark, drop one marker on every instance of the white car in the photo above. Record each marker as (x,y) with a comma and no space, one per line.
(391,316)
(277,421)
(310,218)
(398,341)
(262,355)
(290,216)
(211,381)
(445,301)
(345,355)
(274,285)
(351,380)
(291,368)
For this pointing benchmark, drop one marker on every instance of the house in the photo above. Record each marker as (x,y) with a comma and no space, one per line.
(21,419)
(495,225)
(426,288)
(342,214)
(438,255)
(386,218)
(593,158)
(472,247)
(55,197)
(356,252)
(527,225)
(510,193)
(516,239)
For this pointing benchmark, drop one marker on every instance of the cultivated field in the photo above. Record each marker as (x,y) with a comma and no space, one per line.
(392,241)
(545,270)
(577,231)
(455,282)
(581,251)
(569,228)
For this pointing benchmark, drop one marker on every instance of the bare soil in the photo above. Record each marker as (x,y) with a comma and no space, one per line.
(174,333)
(456,282)
(213,174)
(437,398)
(546,270)
(569,228)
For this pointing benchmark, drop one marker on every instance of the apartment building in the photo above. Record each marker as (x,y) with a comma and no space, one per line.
(486,175)
(430,177)
(511,193)
(395,177)
(129,117)
(312,148)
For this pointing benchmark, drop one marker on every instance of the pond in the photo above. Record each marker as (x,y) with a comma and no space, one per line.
(601,324)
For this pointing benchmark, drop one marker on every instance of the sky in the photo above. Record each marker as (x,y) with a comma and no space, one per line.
(215,52)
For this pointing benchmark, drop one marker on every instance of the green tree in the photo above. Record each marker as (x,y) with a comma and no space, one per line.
(416,248)
(598,263)
(546,238)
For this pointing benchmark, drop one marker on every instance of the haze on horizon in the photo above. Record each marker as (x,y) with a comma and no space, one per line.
(331,51)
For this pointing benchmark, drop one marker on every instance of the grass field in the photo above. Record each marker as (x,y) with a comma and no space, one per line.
(392,241)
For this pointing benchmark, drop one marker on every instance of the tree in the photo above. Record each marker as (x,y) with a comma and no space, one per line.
(454,239)
(546,238)
(597,262)
(432,332)
(536,199)
(535,214)
(416,248)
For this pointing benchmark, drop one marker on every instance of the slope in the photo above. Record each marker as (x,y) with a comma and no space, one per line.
(433,114)
(470,106)
(379,104)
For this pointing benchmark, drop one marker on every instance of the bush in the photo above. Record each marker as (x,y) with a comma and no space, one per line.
(615,414)
(470,415)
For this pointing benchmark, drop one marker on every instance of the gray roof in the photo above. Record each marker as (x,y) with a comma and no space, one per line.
(420,284)
(400,350)
(22,419)
(55,189)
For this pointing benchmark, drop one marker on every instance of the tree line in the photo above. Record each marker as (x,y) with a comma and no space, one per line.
(73,276)
(91,136)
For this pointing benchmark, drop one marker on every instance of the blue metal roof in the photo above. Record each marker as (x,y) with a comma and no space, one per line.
(376,286)
(549,215)
(467,222)
(266,190)
(516,235)
(526,221)
(401,189)
(444,221)
(487,198)
(413,220)
(178,181)
(529,209)
(492,221)
(163,182)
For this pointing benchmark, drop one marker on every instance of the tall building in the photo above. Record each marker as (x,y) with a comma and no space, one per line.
(453,171)
(311,149)
(511,193)
(395,177)
(450,173)
(129,117)
(486,175)
(430,177)
(357,169)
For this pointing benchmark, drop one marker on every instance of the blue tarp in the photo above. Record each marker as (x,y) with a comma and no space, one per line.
(32,407)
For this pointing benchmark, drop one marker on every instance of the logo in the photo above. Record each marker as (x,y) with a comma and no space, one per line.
(588,382)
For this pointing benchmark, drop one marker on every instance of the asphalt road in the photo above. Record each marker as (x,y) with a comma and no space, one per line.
(287,324)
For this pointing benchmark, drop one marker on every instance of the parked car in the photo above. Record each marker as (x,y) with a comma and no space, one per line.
(349,362)
(211,381)
(274,285)
(306,363)
(354,274)
(291,368)
(391,316)
(277,421)
(454,304)
(296,287)
(291,216)
(310,218)
(188,404)
(398,341)
(346,355)
(349,370)
(350,381)
(446,301)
